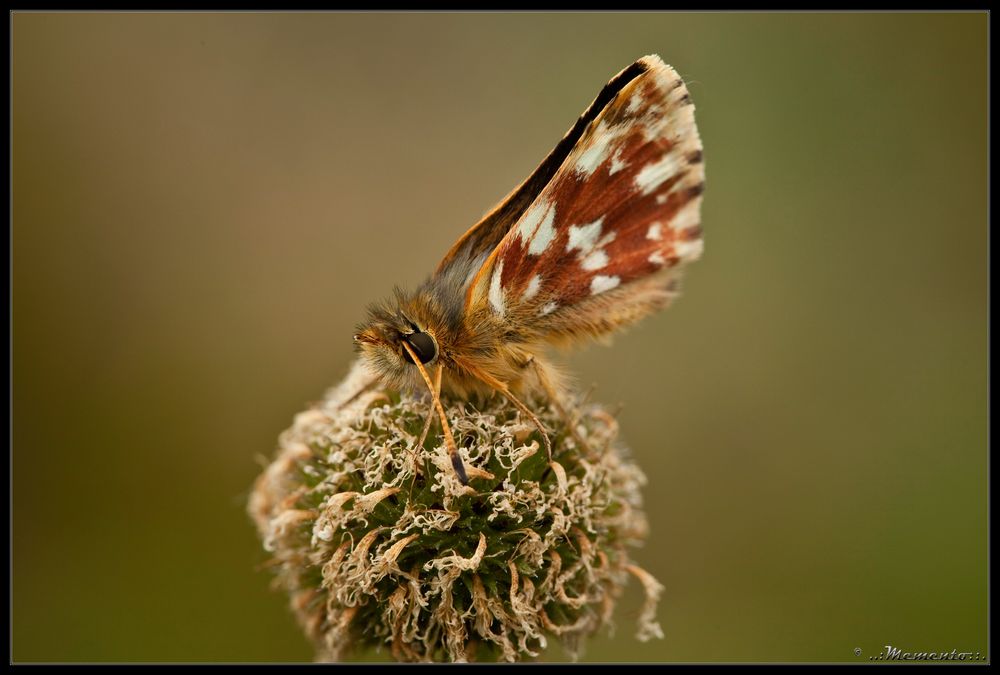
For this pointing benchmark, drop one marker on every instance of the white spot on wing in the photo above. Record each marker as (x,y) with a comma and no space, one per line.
(595,260)
(533,287)
(687,216)
(689,250)
(544,234)
(496,292)
(602,283)
(594,156)
(616,163)
(548,308)
(635,102)
(584,237)
(655,232)
(530,220)
(657,258)
(655,174)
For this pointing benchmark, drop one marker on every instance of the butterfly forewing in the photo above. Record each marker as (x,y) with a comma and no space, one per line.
(611,228)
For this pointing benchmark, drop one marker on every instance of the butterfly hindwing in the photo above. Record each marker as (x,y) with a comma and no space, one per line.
(614,222)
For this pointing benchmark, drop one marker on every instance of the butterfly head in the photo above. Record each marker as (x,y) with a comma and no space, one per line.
(392,336)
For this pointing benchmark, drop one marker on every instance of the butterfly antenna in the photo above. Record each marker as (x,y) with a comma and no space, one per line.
(430,418)
(449,440)
(502,388)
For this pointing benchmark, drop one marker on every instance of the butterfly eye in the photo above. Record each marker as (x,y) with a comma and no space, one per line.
(423,346)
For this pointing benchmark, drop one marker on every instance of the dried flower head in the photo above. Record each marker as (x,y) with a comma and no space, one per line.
(378,543)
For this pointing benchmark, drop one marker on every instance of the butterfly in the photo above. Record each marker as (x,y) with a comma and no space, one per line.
(592,241)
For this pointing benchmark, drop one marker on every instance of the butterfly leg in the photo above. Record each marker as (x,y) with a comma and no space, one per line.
(449,439)
(505,391)
(556,399)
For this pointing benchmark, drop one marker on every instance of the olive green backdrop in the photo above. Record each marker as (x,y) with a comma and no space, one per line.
(204,204)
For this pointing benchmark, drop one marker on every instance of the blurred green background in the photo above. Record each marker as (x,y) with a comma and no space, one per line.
(204,204)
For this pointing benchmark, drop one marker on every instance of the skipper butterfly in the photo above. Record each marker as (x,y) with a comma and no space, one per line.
(593,241)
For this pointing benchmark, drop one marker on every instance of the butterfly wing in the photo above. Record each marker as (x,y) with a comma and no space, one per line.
(595,239)
(483,237)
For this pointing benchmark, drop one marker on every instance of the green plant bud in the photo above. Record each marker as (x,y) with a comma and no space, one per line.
(379,543)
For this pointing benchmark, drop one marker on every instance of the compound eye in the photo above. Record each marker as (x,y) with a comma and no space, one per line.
(423,346)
